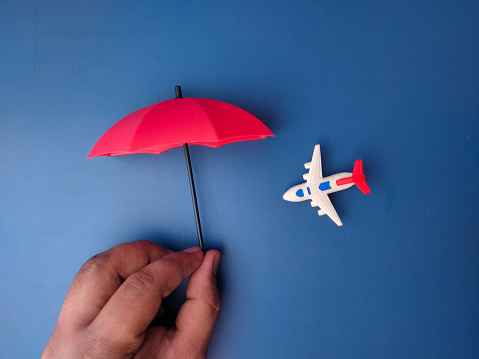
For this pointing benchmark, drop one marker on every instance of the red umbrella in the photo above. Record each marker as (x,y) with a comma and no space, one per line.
(179,122)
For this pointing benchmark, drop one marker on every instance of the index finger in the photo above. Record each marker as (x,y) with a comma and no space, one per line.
(101,276)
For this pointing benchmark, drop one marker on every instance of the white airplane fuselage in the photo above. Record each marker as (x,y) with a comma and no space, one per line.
(303,191)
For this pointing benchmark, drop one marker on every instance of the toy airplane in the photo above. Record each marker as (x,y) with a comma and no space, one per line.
(316,188)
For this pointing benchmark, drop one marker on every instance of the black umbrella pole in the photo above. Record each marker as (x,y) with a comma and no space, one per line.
(193,196)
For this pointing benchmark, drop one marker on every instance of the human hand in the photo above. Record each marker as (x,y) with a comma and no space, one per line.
(116,295)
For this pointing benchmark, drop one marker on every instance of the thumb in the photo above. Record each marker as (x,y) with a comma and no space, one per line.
(197,317)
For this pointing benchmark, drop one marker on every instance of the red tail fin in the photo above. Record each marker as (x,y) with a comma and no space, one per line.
(359,178)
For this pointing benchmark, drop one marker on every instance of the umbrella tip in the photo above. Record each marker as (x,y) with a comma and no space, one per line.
(178,92)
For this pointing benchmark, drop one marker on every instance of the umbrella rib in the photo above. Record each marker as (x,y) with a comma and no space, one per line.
(193,197)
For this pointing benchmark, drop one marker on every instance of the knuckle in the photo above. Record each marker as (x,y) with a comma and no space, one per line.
(99,342)
(96,263)
(143,243)
(212,301)
(141,281)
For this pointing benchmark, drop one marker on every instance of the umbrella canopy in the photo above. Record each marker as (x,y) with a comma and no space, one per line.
(180,122)
(171,123)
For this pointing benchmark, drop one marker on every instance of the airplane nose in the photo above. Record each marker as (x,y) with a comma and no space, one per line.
(289,195)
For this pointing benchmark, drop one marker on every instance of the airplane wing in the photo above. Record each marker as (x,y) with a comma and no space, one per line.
(315,170)
(322,200)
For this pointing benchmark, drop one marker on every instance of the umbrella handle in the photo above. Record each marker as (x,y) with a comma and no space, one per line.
(193,196)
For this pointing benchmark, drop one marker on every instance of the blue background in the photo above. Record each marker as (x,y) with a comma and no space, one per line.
(393,83)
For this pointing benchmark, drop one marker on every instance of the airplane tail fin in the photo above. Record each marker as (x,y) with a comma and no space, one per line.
(359,178)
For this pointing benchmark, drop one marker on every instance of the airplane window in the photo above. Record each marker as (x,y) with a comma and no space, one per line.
(309,191)
(300,193)
(324,186)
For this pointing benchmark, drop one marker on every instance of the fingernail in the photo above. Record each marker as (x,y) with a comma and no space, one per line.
(192,250)
(216,263)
